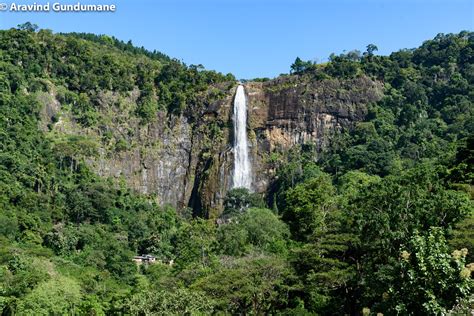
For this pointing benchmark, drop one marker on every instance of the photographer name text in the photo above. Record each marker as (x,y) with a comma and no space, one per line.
(57,7)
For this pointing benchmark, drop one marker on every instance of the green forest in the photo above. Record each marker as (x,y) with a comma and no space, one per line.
(379,223)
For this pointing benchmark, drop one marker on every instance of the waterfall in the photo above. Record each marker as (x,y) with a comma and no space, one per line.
(242,176)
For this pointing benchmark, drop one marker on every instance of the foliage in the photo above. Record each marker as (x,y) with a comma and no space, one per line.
(256,228)
(427,278)
(250,284)
(57,296)
(307,206)
(196,244)
(28,26)
(300,66)
(239,200)
(380,221)
(87,64)
(181,302)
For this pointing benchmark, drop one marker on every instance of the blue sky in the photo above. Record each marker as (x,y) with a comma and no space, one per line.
(260,38)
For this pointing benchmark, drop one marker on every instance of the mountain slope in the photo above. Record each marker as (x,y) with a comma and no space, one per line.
(366,163)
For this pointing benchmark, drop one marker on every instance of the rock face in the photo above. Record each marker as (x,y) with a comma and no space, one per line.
(158,167)
(188,160)
(291,110)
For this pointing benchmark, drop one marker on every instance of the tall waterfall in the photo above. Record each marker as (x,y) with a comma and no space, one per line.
(242,176)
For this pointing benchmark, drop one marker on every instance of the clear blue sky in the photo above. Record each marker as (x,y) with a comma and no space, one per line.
(258,38)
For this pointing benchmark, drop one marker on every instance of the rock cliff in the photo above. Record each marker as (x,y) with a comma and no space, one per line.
(292,110)
(187,160)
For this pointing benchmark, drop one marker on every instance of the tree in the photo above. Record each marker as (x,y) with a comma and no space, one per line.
(371,48)
(178,302)
(233,239)
(462,236)
(427,278)
(259,228)
(300,66)
(147,105)
(59,296)
(353,55)
(386,213)
(344,66)
(249,285)
(238,200)
(308,205)
(265,230)
(327,271)
(28,26)
(196,244)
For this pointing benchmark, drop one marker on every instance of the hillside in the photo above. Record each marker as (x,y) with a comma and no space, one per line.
(363,171)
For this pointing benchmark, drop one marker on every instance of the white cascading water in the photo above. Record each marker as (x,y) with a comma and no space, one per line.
(242,175)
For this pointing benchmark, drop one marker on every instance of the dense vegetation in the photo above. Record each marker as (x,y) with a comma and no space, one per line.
(381,222)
